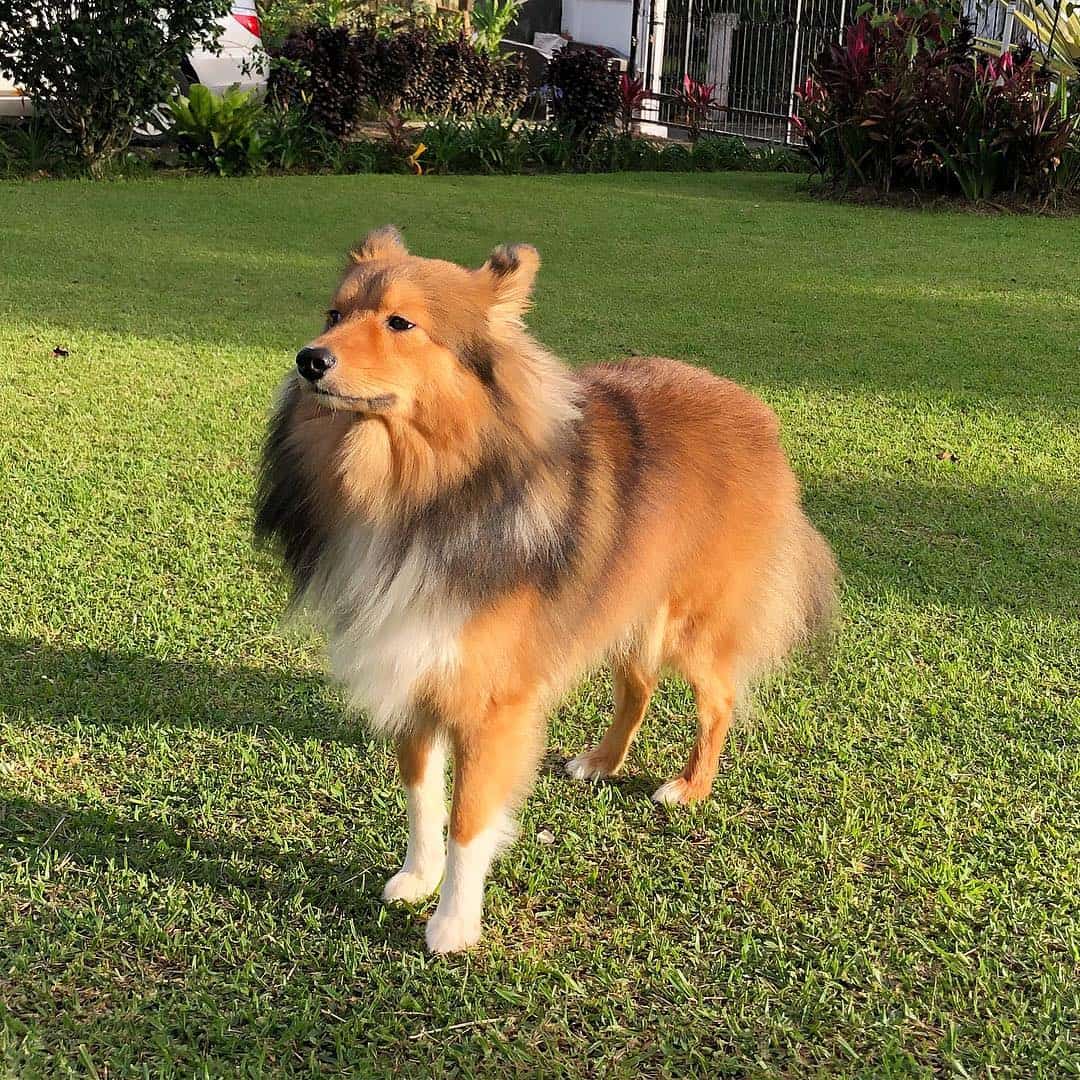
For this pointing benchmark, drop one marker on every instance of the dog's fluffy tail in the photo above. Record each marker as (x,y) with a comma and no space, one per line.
(797,599)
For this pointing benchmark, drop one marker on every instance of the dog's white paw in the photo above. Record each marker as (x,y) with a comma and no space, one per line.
(410,887)
(672,793)
(451,933)
(586,767)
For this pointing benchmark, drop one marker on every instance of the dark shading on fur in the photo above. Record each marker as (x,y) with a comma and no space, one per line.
(504,260)
(283,511)
(471,529)
(371,287)
(479,358)
(469,532)
(632,465)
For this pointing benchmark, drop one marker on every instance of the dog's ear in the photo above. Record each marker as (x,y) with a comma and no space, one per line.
(384,243)
(510,272)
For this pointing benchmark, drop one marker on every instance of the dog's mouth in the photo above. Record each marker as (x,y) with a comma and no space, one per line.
(378,403)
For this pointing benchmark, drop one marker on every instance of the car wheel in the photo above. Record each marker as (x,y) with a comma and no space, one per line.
(153,129)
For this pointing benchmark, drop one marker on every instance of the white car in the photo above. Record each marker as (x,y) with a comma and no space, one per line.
(241,62)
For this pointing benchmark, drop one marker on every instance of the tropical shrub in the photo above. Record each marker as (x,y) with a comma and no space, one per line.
(622,152)
(454,77)
(283,17)
(291,141)
(585,95)
(218,134)
(318,70)
(712,153)
(333,75)
(632,95)
(548,148)
(97,68)
(488,144)
(494,145)
(32,146)
(905,101)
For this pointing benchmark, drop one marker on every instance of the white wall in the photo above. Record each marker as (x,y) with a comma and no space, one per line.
(599,22)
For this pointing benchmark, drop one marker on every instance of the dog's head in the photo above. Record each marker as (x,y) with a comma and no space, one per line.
(411,338)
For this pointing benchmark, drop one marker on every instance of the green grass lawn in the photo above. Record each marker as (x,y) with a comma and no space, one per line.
(193,837)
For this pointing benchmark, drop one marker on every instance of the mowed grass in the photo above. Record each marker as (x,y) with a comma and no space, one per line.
(193,836)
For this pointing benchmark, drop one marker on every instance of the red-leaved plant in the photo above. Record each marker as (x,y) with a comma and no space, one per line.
(696,100)
(632,95)
(905,101)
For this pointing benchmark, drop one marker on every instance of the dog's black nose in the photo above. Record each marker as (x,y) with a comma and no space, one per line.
(314,363)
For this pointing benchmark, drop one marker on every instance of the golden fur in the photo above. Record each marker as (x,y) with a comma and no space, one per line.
(476,525)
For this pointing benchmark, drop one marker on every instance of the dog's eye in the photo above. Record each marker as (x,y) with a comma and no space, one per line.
(333,317)
(397,323)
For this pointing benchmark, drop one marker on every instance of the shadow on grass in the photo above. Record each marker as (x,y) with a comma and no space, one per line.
(123,689)
(41,684)
(969,547)
(31,830)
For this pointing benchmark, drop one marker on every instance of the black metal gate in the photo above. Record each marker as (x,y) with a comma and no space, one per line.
(756,52)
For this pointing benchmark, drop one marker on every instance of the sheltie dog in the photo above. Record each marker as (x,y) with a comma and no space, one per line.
(475,525)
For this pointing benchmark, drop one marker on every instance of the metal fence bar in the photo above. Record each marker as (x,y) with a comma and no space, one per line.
(794,68)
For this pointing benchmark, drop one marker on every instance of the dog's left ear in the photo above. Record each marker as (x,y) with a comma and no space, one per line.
(510,272)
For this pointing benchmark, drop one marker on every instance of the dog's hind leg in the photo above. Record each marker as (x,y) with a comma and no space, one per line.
(421,758)
(635,672)
(716,693)
(634,685)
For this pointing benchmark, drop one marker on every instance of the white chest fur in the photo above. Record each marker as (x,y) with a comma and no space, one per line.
(389,620)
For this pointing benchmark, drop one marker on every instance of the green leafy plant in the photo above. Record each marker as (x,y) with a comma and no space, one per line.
(280,18)
(33,146)
(675,157)
(292,141)
(219,134)
(490,21)
(488,144)
(622,152)
(548,148)
(496,145)
(97,68)
(721,152)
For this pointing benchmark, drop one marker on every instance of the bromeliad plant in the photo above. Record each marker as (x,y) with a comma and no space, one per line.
(905,101)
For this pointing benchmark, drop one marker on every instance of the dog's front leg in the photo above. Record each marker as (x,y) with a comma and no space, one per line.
(493,762)
(421,758)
